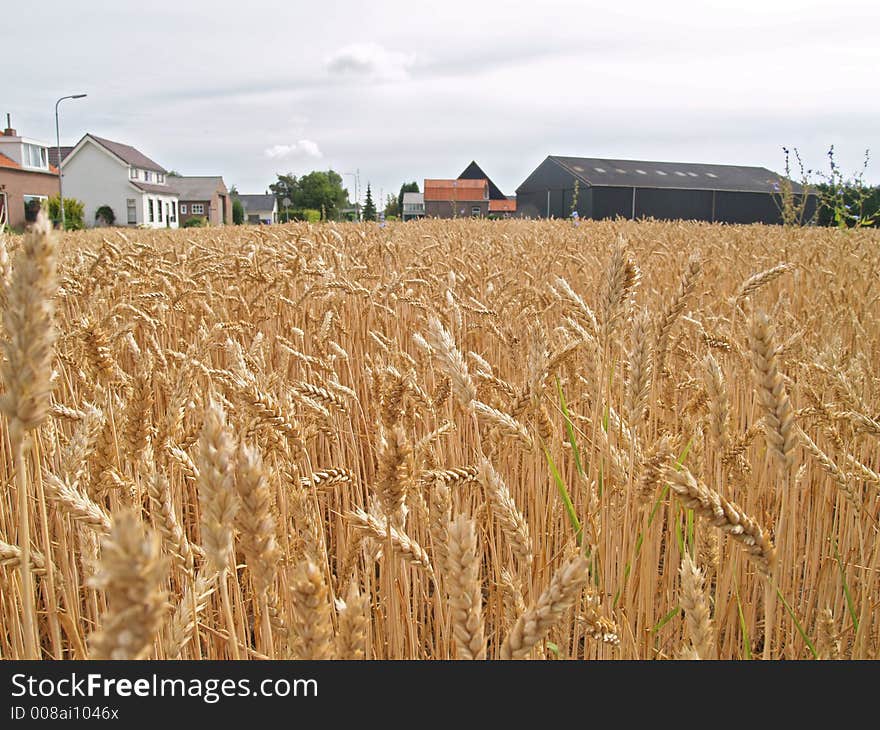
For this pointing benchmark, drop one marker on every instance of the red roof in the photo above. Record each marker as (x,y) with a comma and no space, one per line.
(502,206)
(456,190)
(11,164)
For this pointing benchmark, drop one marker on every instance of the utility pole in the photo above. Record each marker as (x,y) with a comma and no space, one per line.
(58,145)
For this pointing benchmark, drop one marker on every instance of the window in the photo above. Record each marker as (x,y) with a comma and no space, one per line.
(680,174)
(159,205)
(693,174)
(622,172)
(197,209)
(183,209)
(36,156)
(475,210)
(641,172)
(148,176)
(660,172)
(150,209)
(160,178)
(174,211)
(131,204)
(133,173)
(32,205)
(711,174)
(599,169)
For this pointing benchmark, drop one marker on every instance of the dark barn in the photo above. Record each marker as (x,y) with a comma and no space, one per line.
(662,190)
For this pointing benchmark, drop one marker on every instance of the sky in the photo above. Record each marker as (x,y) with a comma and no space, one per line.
(401,91)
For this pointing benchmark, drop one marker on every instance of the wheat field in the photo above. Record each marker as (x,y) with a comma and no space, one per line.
(441,440)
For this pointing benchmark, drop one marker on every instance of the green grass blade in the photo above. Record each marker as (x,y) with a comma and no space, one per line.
(747,644)
(665,620)
(798,625)
(849,599)
(566,498)
(569,429)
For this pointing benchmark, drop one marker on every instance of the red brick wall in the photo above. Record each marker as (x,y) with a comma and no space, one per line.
(450,209)
(18,183)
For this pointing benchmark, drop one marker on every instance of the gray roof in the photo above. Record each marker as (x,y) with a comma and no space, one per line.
(152,188)
(129,154)
(257,202)
(198,187)
(413,198)
(53,154)
(602,172)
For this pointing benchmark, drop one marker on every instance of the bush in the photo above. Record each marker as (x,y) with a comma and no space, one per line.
(103,216)
(237,212)
(74,213)
(197,222)
(299,214)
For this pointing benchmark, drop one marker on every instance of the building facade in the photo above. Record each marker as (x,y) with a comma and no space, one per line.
(413,206)
(26,178)
(203,197)
(602,188)
(260,209)
(101,172)
(456,198)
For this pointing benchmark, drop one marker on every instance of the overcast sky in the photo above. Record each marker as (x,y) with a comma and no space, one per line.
(409,90)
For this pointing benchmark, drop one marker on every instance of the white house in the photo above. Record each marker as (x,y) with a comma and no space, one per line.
(100,172)
(261,209)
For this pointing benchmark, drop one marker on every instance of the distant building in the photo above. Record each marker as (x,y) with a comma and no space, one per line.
(100,172)
(413,206)
(456,198)
(26,177)
(500,205)
(259,208)
(204,197)
(641,189)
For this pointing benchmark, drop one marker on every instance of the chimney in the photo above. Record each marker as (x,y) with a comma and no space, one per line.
(9,131)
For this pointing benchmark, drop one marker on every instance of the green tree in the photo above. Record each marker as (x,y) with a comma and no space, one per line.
(237,212)
(391,207)
(412,187)
(171,173)
(285,187)
(369,206)
(319,190)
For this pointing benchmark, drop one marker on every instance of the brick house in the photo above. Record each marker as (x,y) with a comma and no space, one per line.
(26,177)
(456,198)
(203,196)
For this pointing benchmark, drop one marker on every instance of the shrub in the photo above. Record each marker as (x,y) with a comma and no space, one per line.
(197,222)
(103,216)
(74,213)
(237,212)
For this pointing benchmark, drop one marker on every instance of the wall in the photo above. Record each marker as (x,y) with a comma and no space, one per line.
(96,179)
(20,183)
(452,209)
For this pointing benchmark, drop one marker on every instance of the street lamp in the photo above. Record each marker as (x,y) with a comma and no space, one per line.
(58,144)
(286,204)
(357,195)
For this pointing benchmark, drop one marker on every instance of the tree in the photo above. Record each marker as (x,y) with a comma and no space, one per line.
(412,187)
(237,212)
(369,206)
(391,207)
(174,173)
(319,190)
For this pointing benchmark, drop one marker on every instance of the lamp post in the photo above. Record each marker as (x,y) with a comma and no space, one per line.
(58,145)
(357,202)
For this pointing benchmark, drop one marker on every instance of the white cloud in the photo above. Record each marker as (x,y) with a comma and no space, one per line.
(302,148)
(371,60)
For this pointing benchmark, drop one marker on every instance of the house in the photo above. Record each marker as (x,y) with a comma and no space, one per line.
(260,209)
(456,198)
(413,206)
(203,197)
(500,205)
(101,172)
(26,177)
(662,190)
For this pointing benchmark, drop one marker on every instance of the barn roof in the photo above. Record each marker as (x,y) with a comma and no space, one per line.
(601,172)
(475,172)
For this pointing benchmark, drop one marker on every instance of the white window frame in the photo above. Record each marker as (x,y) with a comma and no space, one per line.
(131,211)
(148,176)
(159,201)
(160,178)
(476,210)
(197,209)
(151,210)
(183,209)
(133,173)
(42,154)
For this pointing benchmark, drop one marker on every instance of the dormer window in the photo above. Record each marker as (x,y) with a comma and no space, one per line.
(160,178)
(36,156)
(133,173)
(148,176)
